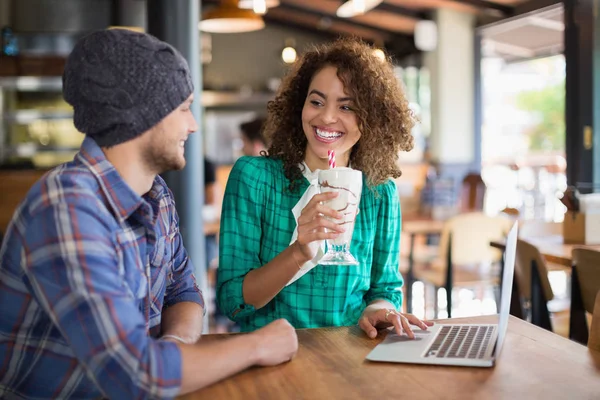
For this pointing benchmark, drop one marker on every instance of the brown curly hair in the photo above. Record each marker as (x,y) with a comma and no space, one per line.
(384,118)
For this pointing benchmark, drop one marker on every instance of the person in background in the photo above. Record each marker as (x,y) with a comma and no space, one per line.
(338,97)
(97,295)
(253,138)
(213,196)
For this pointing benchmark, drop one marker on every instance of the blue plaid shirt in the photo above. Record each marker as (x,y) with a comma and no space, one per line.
(86,268)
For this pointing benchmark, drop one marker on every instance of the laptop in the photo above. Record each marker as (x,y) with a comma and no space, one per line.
(469,345)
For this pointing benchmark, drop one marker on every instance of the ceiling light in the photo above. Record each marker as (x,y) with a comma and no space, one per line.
(289,54)
(252,4)
(259,6)
(353,8)
(229,18)
(426,35)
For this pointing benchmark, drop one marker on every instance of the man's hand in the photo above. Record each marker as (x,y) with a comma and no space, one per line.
(277,343)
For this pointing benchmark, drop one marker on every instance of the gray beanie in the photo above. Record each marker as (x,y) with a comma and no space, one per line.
(121,83)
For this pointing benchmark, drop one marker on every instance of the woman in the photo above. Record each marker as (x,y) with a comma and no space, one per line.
(338,97)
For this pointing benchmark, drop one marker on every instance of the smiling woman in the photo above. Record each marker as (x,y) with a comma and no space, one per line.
(346,82)
(339,97)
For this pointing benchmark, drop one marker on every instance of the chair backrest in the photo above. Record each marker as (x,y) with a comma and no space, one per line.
(471,236)
(511,212)
(526,253)
(587,264)
(473,192)
(594,339)
(539,228)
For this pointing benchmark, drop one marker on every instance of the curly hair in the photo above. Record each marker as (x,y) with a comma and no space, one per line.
(383,115)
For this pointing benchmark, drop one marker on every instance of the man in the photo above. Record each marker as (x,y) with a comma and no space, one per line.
(97,296)
(253,140)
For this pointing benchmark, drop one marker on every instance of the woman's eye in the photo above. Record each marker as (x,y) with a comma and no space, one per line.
(315,103)
(346,108)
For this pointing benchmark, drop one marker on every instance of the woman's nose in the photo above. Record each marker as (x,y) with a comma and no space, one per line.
(329,115)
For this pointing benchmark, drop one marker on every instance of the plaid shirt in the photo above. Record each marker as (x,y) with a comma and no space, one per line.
(257,224)
(86,267)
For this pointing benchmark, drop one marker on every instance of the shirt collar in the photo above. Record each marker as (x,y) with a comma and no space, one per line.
(121,198)
(311,177)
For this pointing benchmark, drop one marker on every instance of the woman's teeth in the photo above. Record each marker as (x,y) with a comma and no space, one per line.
(328,134)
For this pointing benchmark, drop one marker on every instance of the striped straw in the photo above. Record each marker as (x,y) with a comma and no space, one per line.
(331,157)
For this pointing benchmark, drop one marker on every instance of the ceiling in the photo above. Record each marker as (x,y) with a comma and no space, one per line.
(533,35)
(391,24)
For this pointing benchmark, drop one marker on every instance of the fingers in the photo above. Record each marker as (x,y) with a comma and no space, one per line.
(417,322)
(316,236)
(402,322)
(320,222)
(311,212)
(367,327)
(406,326)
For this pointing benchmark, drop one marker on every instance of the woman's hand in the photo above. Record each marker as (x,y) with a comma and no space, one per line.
(312,223)
(374,318)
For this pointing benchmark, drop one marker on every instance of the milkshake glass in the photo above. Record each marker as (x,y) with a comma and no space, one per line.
(348,183)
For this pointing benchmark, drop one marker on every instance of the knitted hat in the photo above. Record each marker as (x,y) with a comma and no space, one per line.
(121,83)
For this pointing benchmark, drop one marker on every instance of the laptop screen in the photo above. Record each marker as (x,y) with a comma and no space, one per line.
(507,283)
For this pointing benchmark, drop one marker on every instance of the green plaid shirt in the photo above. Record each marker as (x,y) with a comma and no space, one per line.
(257,224)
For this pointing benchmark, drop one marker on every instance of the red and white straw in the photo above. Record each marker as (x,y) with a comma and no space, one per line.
(331,156)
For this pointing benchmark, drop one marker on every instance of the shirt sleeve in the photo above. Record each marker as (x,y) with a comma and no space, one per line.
(183,286)
(71,264)
(386,281)
(240,235)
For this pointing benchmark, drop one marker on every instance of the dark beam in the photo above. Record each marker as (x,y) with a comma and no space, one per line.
(482,4)
(534,5)
(407,12)
(321,14)
(301,27)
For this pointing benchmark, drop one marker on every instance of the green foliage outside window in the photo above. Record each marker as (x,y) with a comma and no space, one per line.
(548,104)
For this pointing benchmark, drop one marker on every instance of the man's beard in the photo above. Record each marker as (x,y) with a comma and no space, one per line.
(159,159)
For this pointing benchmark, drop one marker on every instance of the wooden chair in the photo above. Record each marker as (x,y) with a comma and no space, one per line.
(511,212)
(585,284)
(594,339)
(533,285)
(464,256)
(473,193)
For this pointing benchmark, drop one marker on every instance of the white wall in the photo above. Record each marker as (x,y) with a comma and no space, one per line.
(452,85)
(251,58)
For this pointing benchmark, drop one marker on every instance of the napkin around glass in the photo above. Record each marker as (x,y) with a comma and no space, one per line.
(313,188)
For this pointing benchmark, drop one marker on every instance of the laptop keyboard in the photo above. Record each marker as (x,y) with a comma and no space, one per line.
(461,342)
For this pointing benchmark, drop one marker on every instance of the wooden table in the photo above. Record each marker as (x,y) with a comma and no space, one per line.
(551,247)
(331,364)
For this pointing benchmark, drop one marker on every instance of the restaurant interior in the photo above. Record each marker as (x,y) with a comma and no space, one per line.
(505,96)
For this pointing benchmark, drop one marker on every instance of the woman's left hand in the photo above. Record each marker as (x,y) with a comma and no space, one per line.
(377,318)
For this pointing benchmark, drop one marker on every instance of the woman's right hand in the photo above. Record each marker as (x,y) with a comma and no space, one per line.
(312,223)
